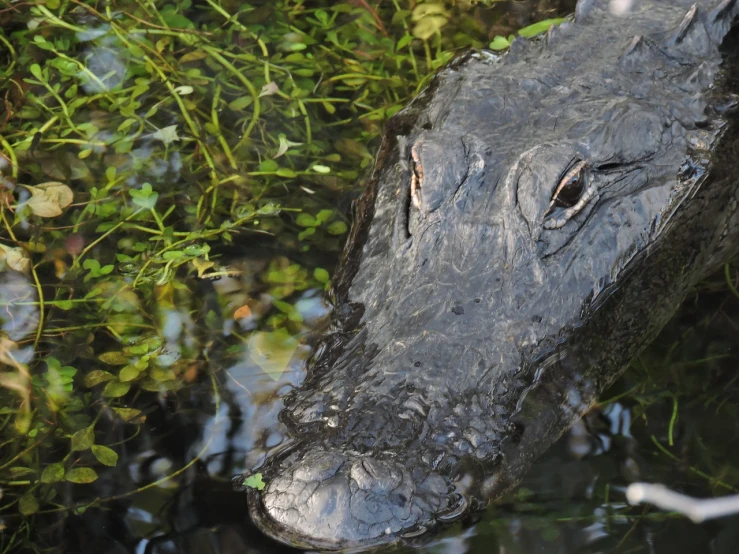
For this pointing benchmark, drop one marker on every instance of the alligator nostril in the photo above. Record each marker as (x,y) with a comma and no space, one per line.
(517,430)
(455,511)
(399,500)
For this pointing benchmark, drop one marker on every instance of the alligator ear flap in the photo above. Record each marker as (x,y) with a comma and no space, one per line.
(721,19)
(690,38)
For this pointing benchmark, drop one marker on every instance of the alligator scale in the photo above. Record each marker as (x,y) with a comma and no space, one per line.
(532,222)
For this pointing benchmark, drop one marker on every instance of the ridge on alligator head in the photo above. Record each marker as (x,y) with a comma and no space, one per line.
(532,222)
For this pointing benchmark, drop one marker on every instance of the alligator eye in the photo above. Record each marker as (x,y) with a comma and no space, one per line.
(569,198)
(570,188)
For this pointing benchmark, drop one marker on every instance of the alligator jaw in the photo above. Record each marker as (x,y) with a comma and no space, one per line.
(333,501)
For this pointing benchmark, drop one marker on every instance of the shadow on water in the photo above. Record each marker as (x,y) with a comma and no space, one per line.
(222,353)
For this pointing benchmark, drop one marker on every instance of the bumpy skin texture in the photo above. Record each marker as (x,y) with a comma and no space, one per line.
(477,317)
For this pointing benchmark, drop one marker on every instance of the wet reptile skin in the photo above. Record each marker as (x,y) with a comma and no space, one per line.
(532,222)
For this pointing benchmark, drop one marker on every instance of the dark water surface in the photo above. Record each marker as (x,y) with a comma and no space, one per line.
(238,343)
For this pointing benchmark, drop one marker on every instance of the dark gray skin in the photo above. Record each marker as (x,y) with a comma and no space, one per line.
(532,222)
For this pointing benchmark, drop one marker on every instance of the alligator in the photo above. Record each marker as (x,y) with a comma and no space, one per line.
(532,221)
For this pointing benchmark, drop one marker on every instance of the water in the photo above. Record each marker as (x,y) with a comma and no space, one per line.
(207,360)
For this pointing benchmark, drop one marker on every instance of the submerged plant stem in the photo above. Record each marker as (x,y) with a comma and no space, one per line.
(693,469)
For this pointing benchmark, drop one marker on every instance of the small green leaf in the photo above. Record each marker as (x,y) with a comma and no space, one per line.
(255,482)
(116,389)
(241,103)
(93,293)
(28,505)
(128,373)
(137,349)
(128,414)
(114,358)
(173,255)
(144,197)
(337,228)
(83,439)
(167,135)
(91,264)
(53,473)
(106,456)
(324,215)
(97,376)
(403,42)
(162,374)
(321,275)
(318,168)
(268,166)
(18,471)
(68,371)
(81,475)
(306,233)
(289,173)
(36,71)
(122,127)
(306,220)
(539,27)
(499,43)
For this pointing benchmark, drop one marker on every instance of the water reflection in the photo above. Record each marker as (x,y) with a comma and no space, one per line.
(105,66)
(269,363)
(19,314)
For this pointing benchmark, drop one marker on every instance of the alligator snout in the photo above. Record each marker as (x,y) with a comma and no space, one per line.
(333,500)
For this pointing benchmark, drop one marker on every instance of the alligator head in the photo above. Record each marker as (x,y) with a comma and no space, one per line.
(532,222)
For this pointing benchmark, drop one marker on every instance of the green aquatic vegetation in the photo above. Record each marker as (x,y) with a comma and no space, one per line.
(255,482)
(501,43)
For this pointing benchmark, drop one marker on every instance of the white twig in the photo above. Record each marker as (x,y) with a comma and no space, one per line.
(697,510)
